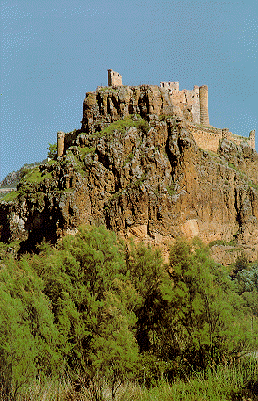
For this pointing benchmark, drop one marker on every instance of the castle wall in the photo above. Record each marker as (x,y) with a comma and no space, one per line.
(237,139)
(107,105)
(170,86)
(186,103)
(70,138)
(189,104)
(114,78)
(207,138)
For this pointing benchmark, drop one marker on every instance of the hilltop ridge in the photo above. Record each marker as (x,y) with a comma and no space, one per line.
(142,167)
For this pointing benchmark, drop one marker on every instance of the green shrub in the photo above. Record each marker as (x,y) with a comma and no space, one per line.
(52,150)
(212,321)
(10,196)
(143,126)
(91,304)
(171,189)
(104,313)
(28,336)
(122,125)
(85,151)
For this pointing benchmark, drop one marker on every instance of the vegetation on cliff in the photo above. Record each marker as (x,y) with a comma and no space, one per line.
(92,317)
(12,179)
(104,313)
(143,178)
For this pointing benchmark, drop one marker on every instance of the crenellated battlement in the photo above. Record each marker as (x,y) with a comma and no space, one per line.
(170,86)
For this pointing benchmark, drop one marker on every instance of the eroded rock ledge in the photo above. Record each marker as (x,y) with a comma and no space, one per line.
(150,181)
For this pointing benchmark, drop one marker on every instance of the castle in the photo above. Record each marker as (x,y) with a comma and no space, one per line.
(194,102)
(153,103)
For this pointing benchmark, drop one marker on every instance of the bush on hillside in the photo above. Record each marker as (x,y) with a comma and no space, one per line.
(98,310)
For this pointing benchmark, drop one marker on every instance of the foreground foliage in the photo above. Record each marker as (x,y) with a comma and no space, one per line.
(225,383)
(102,313)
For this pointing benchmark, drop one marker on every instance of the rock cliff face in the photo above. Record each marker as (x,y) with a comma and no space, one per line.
(145,178)
(107,105)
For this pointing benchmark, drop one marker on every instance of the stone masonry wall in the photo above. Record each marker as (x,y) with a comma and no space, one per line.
(207,138)
(250,141)
(114,78)
(170,86)
(108,104)
(186,103)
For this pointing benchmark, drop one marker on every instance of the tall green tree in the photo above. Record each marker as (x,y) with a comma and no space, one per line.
(148,274)
(212,320)
(85,281)
(28,336)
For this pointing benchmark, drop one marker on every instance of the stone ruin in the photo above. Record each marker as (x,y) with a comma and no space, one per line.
(194,101)
(114,78)
(152,102)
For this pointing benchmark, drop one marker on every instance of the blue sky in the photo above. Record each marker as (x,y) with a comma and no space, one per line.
(53,52)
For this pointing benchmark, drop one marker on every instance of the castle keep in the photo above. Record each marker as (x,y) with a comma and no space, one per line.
(153,103)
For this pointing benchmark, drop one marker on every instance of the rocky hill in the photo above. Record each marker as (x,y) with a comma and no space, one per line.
(136,168)
(12,179)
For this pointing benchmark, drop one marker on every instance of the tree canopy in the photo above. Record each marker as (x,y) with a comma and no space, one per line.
(95,307)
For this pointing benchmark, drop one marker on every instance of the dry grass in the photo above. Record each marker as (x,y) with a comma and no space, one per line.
(227,383)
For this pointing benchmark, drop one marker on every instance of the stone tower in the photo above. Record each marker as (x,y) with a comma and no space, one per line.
(114,78)
(60,143)
(252,139)
(204,115)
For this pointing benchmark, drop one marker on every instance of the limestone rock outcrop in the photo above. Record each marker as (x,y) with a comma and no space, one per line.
(147,180)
